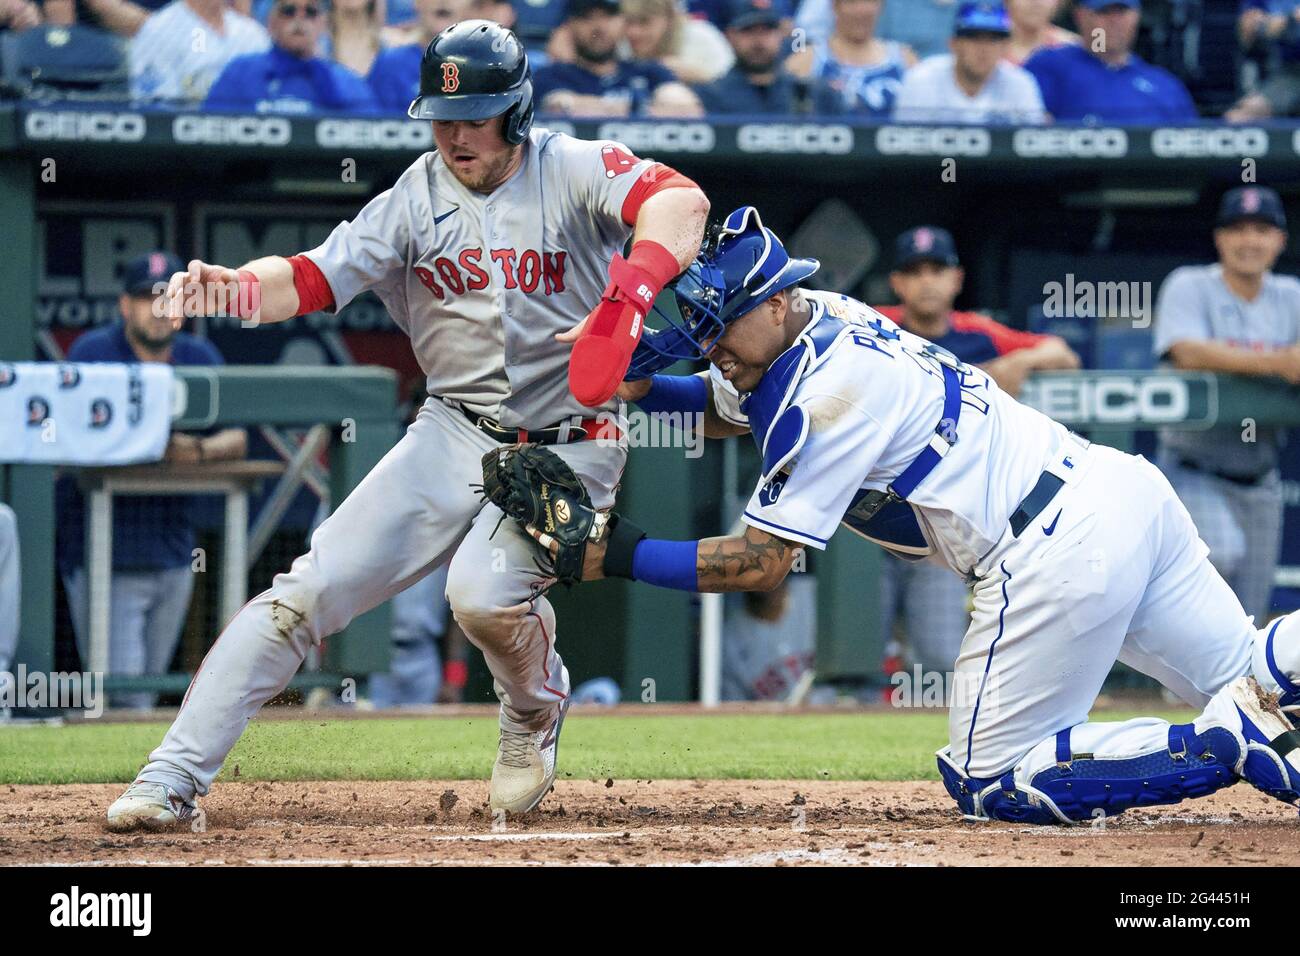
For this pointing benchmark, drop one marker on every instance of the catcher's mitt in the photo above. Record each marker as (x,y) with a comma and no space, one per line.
(535,486)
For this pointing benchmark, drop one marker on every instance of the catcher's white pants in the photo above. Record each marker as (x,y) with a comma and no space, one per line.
(411,514)
(1123,576)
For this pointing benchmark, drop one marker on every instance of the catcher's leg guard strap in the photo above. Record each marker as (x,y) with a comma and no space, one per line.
(1079,787)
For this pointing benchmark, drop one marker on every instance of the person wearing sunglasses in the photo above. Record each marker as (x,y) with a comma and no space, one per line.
(290,78)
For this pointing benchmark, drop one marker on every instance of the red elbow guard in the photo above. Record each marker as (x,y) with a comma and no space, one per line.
(601,356)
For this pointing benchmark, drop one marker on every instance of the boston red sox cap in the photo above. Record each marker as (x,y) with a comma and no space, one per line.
(144,272)
(924,244)
(1257,203)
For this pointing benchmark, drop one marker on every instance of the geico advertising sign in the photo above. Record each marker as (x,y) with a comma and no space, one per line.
(1120,399)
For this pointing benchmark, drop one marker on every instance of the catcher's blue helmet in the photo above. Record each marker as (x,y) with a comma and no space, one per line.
(741,263)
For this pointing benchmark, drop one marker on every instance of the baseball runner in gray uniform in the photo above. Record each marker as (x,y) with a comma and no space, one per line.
(488,252)
(1234,316)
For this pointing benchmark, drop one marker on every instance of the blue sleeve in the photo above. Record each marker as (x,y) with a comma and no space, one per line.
(1040,67)
(1181,105)
(228,90)
(354,92)
(710,95)
(658,74)
(83,348)
(826,101)
(545,82)
(213,354)
(386,83)
(199,352)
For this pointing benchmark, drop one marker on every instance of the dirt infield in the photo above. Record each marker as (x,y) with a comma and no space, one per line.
(618,822)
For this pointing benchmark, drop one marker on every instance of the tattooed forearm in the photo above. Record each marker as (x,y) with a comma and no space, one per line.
(757,561)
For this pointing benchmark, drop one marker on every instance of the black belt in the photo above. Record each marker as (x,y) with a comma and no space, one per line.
(558,434)
(1037,499)
(1244,481)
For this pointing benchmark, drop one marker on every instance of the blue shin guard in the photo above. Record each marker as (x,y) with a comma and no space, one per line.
(1080,788)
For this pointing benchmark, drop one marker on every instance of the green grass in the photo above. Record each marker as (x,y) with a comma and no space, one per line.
(856,746)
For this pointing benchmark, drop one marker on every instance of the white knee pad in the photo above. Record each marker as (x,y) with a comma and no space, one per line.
(1277,659)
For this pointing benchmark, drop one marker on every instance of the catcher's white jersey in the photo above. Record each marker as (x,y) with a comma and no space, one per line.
(481,284)
(1108,568)
(873,404)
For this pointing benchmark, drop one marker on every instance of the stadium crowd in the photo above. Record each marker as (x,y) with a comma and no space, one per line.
(926,61)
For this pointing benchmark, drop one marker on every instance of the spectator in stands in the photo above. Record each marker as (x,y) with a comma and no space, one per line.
(863,68)
(1033,29)
(931,603)
(354,35)
(289,77)
(974,83)
(1235,316)
(395,77)
(601,83)
(10,595)
(922,25)
(1271,30)
(179,51)
(758,84)
(769,639)
(19,15)
(153,538)
(1102,80)
(694,50)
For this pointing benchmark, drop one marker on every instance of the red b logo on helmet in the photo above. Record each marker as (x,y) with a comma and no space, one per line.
(450,77)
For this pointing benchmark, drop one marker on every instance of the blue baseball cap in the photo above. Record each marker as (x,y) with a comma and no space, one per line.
(1254,203)
(145,271)
(1103,4)
(982,17)
(742,14)
(924,244)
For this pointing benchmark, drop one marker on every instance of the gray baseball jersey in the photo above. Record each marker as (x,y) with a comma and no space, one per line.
(481,284)
(1195,303)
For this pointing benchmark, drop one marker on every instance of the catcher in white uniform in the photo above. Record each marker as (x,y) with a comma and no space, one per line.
(1079,555)
(488,252)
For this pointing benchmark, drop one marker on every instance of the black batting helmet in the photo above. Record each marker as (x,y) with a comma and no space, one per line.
(472,70)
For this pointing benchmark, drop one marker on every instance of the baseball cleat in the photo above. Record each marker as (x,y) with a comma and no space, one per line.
(1271,759)
(151,806)
(525,767)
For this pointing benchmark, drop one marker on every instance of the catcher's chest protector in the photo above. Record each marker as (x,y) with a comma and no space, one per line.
(780,429)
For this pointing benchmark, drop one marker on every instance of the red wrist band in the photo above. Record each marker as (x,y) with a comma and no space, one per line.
(309,282)
(249,300)
(455,673)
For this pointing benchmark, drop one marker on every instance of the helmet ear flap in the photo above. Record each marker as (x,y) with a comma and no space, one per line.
(519,118)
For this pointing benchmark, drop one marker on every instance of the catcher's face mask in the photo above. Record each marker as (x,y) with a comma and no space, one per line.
(741,263)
